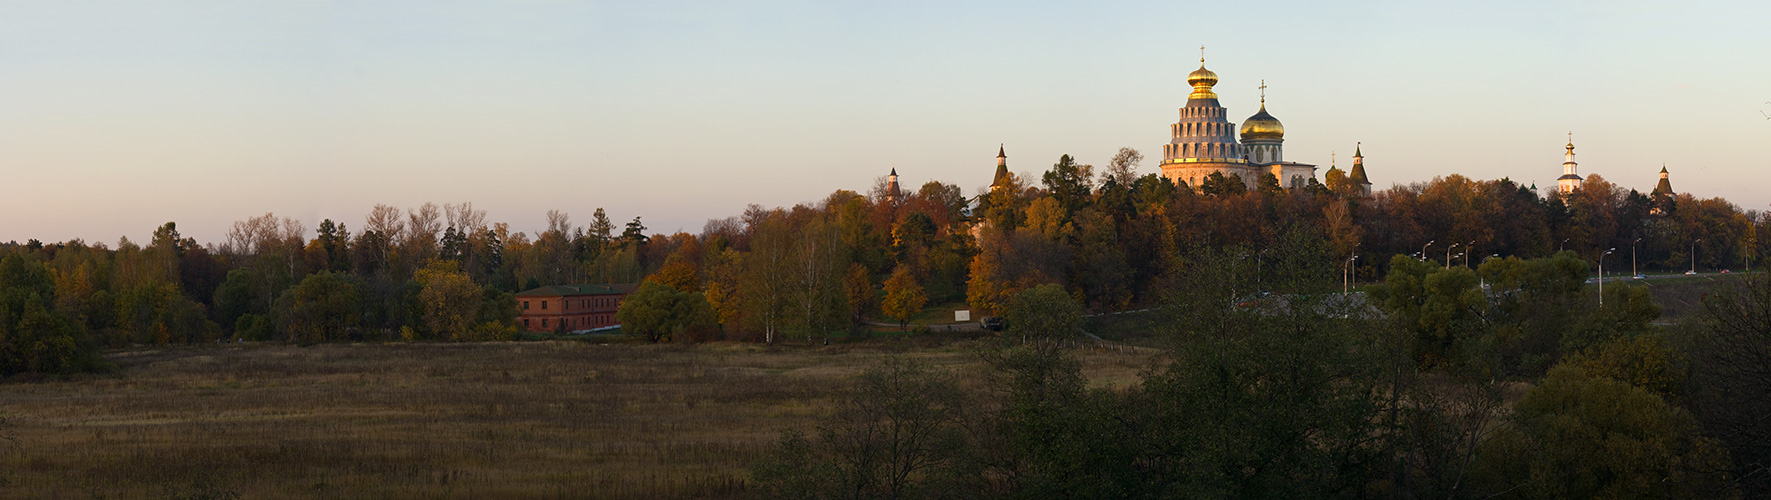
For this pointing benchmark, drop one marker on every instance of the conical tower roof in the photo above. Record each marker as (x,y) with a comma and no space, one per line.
(1358,173)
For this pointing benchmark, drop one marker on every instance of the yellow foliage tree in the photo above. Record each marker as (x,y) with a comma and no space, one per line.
(904,296)
(450,299)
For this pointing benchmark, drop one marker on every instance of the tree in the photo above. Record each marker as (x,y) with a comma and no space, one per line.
(34,337)
(1070,183)
(1218,184)
(1045,312)
(1580,436)
(326,306)
(450,301)
(1123,168)
(1730,385)
(858,287)
(635,234)
(764,284)
(898,432)
(904,296)
(657,313)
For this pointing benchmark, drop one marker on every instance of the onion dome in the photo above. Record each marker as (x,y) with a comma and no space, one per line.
(1262,126)
(1202,80)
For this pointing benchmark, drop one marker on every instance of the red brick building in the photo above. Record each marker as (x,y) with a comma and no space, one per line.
(574,308)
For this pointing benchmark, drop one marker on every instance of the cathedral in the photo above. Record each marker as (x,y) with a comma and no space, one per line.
(1204,141)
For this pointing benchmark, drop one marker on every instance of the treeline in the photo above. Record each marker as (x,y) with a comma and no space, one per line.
(1112,239)
(1509,381)
(431,272)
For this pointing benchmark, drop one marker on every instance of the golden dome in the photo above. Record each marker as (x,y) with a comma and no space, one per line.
(1202,79)
(1202,75)
(1262,126)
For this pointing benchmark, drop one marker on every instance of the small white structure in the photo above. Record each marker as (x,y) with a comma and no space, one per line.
(962,316)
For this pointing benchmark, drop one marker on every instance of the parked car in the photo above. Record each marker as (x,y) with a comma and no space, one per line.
(991,323)
(1689,273)
(1639,277)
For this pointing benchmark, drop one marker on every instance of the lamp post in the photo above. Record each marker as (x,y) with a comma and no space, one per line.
(1633,271)
(1469,249)
(1344,266)
(1423,249)
(1448,254)
(1694,255)
(1562,246)
(1602,276)
(1481,282)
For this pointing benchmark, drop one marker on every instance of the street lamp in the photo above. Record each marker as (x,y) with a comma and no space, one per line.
(1694,255)
(1469,249)
(1481,282)
(1423,249)
(1448,254)
(1633,271)
(1602,276)
(1563,246)
(1344,266)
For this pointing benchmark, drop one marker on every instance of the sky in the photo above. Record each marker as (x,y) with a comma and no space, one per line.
(118,116)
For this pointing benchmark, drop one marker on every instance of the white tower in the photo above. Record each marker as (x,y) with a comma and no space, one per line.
(1570,180)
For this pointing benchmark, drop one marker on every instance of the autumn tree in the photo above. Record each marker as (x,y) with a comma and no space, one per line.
(817,260)
(765,284)
(451,301)
(904,297)
(857,287)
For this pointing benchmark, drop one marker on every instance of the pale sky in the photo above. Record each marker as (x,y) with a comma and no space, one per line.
(118,116)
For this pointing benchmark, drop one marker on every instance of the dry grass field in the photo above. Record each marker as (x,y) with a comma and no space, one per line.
(500,420)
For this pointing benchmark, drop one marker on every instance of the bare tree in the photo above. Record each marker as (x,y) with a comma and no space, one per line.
(422,227)
(463,217)
(1123,169)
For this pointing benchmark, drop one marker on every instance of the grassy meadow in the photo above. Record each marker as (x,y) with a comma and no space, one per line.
(556,419)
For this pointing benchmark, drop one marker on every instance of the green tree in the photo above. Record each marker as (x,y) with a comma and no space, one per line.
(1218,184)
(1730,388)
(35,338)
(1580,436)
(326,306)
(657,313)
(904,297)
(1045,312)
(1437,305)
(1070,183)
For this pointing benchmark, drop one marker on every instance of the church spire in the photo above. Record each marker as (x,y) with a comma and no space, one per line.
(1570,179)
(1002,175)
(1357,175)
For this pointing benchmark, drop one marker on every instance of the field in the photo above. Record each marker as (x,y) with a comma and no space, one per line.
(557,419)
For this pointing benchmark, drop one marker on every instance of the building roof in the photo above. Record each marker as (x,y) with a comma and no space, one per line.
(1262,126)
(1358,174)
(576,290)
